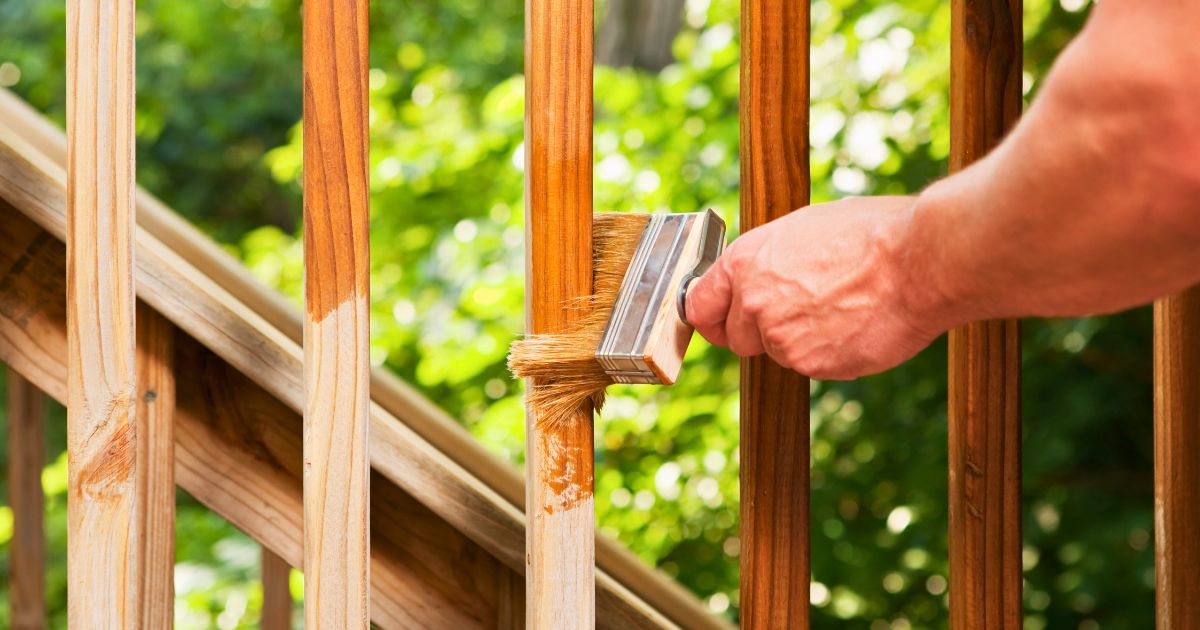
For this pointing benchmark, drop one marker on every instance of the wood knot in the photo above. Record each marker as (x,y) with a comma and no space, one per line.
(973,469)
(108,471)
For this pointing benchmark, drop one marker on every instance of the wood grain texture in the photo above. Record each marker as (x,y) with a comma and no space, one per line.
(104,566)
(1177,460)
(984,410)
(440,540)
(27,547)
(34,179)
(560,542)
(337,323)
(156,466)
(774,400)
(511,602)
(238,451)
(277,594)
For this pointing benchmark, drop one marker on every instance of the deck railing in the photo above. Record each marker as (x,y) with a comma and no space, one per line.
(120,372)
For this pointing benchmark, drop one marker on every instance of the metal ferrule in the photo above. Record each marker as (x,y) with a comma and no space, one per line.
(660,251)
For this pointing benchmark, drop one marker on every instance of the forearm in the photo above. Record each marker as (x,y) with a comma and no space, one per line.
(1091,205)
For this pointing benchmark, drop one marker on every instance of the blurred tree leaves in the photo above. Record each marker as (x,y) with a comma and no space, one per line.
(218,139)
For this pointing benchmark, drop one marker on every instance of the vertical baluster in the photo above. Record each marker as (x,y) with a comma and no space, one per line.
(1177,460)
(337,320)
(277,594)
(104,561)
(985,357)
(26,458)
(560,542)
(510,611)
(774,400)
(156,465)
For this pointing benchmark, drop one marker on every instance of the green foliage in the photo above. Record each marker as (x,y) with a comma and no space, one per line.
(219,140)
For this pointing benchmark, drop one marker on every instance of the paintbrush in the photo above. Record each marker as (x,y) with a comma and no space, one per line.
(634,325)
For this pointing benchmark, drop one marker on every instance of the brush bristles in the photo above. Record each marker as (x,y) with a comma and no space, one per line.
(567,381)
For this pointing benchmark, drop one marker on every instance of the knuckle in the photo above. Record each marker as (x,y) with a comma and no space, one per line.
(777,337)
(753,303)
(797,361)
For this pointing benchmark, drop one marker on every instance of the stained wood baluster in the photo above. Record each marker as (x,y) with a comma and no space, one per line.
(26,459)
(1177,460)
(560,540)
(337,319)
(774,400)
(985,357)
(105,562)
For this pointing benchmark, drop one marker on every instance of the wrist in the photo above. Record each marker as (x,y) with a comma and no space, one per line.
(929,285)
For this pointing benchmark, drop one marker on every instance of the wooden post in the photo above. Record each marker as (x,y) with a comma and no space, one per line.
(277,593)
(337,319)
(985,357)
(26,458)
(1177,459)
(156,465)
(104,561)
(774,400)
(560,540)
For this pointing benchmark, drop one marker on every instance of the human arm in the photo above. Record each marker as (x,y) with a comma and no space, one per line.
(1092,204)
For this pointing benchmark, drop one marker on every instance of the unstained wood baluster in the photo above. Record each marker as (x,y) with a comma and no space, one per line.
(1177,460)
(560,540)
(105,562)
(985,357)
(156,465)
(277,594)
(337,320)
(774,400)
(26,458)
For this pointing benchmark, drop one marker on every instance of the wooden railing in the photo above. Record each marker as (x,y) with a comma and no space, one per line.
(448,533)
(337,338)
(229,430)
(774,400)
(984,407)
(984,358)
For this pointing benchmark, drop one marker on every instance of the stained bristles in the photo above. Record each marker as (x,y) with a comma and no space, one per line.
(567,381)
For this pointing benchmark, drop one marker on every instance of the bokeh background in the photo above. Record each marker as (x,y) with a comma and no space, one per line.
(218,139)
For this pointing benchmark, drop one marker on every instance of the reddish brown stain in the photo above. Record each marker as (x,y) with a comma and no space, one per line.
(569,467)
(774,477)
(984,380)
(336,175)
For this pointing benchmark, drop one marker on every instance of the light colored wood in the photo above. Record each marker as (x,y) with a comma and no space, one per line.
(560,582)
(774,400)
(437,545)
(277,593)
(104,566)
(394,395)
(1177,460)
(337,342)
(984,410)
(238,451)
(27,548)
(156,466)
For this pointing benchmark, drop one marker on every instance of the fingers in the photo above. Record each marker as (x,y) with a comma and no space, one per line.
(741,328)
(713,308)
(707,303)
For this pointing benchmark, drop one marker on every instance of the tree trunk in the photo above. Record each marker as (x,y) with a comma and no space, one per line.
(639,33)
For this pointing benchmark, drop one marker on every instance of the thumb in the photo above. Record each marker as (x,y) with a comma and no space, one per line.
(707,302)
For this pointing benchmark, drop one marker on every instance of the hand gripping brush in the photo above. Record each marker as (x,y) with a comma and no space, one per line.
(635,327)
